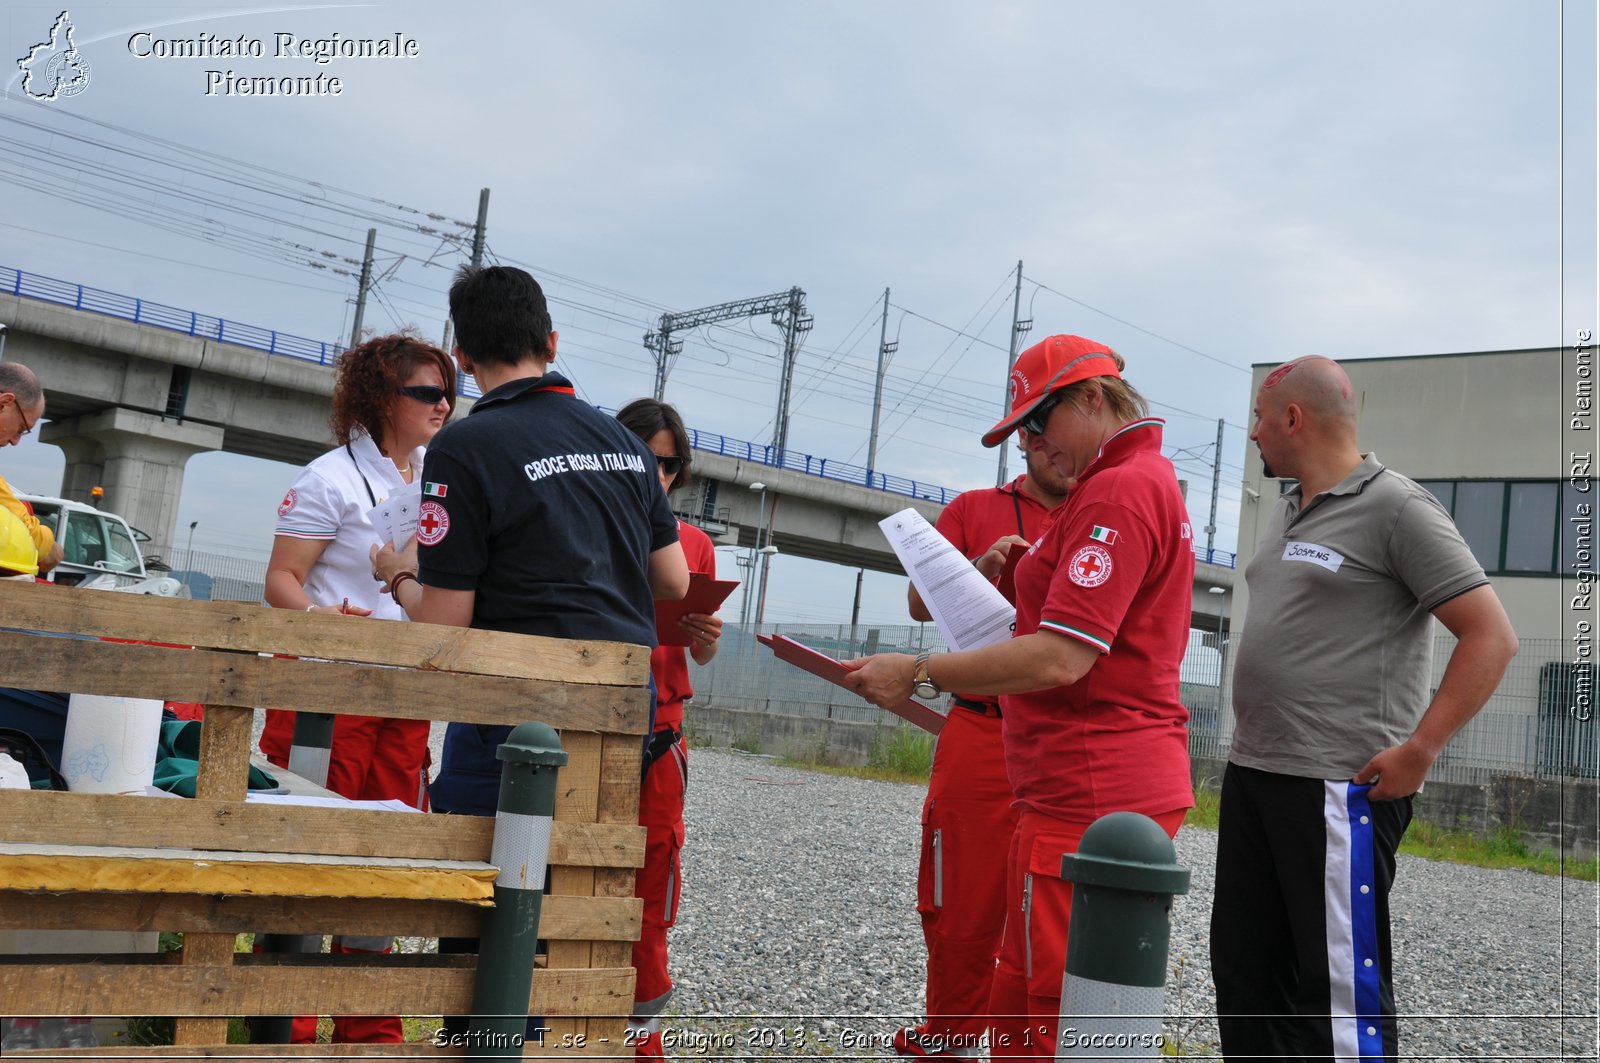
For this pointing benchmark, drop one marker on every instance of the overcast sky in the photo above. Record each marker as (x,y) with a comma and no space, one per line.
(1202,186)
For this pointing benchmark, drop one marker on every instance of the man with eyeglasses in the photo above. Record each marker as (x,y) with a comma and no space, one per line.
(21,407)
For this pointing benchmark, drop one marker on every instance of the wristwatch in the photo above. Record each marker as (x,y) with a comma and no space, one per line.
(922,684)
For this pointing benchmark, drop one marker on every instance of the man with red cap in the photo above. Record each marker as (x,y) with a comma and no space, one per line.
(1092,720)
(967,813)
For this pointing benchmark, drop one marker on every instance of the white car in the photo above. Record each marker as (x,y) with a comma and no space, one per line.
(99,550)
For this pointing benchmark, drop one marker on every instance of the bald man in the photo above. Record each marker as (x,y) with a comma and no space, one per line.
(21,406)
(1335,726)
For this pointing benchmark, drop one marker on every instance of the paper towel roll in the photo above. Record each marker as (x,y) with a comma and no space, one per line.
(110,744)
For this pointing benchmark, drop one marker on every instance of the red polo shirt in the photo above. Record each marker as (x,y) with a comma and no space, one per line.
(1114,570)
(669,664)
(976,520)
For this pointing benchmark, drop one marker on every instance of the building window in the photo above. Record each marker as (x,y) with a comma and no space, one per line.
(1514,527)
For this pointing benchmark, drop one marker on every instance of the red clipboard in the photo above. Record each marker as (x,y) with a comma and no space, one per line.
(820,664)
(705,596)
(1007,584)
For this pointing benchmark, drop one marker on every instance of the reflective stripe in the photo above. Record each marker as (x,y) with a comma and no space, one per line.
(311,762)
(683,762)
(521,850)
(640,1030)
(646,1010)
(938,868)
(1027,925)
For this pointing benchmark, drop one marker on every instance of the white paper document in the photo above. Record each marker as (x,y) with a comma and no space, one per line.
(395,518)
(969,610)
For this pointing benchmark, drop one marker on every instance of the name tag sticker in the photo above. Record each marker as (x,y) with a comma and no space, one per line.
(1317,555)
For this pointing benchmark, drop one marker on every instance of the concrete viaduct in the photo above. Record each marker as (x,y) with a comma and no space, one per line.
(130,402)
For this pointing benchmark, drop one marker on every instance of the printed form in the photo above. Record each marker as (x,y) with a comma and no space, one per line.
(969,610)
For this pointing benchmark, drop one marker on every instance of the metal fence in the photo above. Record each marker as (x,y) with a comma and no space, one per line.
(214,577)
(1528,727)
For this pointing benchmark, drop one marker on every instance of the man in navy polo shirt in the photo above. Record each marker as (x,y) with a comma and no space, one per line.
(540,514)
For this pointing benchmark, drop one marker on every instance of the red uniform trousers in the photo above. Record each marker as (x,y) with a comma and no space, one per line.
(961,882)
(373,759)
(659,884)
(1026,1002)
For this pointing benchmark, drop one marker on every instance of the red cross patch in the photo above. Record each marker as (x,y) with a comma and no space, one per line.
(433,523)
(1090,566)
(288,503)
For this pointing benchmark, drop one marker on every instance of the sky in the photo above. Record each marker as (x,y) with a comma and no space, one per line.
(1201,186)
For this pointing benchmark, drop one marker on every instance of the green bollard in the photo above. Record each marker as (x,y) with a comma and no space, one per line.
(1124,876)
(310,751)
(311,747)
(500,993)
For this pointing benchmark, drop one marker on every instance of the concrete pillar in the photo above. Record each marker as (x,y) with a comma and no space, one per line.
(140,457)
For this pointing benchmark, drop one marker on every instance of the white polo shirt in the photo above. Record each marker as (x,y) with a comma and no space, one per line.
(329,501)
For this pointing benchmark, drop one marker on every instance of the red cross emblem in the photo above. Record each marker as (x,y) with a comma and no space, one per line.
(1090,566)
(433,522)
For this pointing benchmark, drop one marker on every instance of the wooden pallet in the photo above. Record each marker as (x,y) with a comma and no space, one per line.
(217,866)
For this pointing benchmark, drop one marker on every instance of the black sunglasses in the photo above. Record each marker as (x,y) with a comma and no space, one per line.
(425,393)
(1039,416)
(670,466)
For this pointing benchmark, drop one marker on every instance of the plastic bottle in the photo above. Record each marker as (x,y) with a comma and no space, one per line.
(17,1034)
(78,1033)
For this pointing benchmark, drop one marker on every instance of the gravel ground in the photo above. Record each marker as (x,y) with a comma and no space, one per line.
(798,934)
(798,924)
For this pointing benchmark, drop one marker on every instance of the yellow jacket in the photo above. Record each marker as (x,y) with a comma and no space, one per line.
(43,539)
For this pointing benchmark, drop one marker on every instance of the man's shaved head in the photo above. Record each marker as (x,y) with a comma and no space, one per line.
(1317,384)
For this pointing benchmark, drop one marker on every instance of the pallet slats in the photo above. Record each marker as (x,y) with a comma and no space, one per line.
(81,861)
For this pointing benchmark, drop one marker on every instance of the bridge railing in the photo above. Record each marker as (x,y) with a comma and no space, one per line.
(271,341)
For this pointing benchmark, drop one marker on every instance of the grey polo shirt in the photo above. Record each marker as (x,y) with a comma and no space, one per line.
(1334,660)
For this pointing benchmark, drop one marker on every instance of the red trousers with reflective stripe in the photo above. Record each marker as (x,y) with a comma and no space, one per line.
(1026,1001)
(659,883)
(966,819)
(373,758)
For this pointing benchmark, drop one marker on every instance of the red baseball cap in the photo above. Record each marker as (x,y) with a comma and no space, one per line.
(1050,365)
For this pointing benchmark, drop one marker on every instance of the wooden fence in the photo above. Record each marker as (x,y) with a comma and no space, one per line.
(218,866)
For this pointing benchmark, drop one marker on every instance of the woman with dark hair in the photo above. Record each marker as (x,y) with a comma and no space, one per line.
(391,395)
(1092,721)
(666,767)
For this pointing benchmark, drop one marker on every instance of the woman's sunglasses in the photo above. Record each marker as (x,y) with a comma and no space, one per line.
(670,466)
(425,393)
(1039,416)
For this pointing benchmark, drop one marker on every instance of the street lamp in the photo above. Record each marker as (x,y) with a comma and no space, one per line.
(767,553)
(188,560)
(762,535)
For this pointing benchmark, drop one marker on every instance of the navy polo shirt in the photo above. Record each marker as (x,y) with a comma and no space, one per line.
(548,510)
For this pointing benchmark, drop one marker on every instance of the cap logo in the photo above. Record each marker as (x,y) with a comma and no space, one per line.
(1019,385)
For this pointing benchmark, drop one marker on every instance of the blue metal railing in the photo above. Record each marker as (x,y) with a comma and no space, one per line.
(271,341)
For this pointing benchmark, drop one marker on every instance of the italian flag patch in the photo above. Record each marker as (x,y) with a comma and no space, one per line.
(1103,535)
(438,490)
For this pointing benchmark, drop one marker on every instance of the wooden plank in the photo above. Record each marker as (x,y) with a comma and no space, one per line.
(97,819)
(577,797)
(560,918)
(216,677)
(224,754)
(85,869)
(213,951)
(618,796)
(254,628)
(211,992)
